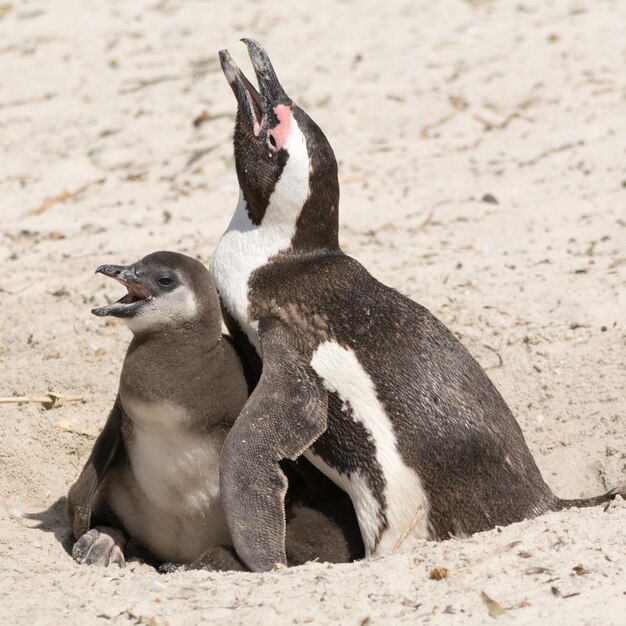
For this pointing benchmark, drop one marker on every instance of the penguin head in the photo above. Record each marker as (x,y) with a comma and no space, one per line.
(286,168)
(165,291)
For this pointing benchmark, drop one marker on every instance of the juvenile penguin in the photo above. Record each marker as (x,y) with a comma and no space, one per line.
(362,381)
(153,473)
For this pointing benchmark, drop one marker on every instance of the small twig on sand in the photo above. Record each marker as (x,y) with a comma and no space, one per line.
(495,125)
(50,400)
(425,132)
(419,516)
(425,223)
(142,84)
(48,202)
(458,105)
(197,155)
(500,359)
(200,69)
(61,197)
(205,117)
(549,152)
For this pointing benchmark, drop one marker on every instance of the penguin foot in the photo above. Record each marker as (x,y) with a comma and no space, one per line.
(101,546)
(170,567)
(216,559)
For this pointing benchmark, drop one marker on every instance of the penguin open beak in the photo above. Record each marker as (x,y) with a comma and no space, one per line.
(254,106)
(137,292)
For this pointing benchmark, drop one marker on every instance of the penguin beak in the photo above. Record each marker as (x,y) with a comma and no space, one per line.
(272,92)
(137,292)
(248,98)
(254,106)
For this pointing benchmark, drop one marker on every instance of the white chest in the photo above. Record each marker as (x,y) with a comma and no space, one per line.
(171,499)
(178,472)
(406,504)
(177,469)
(241,250)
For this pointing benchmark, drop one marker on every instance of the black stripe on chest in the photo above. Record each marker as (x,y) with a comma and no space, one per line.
(348,448)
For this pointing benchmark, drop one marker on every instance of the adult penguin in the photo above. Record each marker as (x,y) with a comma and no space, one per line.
(365,383)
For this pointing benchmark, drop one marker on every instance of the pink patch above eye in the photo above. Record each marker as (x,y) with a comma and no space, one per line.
(281,131)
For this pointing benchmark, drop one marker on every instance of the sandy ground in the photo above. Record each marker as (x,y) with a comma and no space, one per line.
(435,111)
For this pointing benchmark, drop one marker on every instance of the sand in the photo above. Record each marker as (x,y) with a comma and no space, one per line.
(481,153)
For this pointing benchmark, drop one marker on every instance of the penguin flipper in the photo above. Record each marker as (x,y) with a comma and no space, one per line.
(80,496)
(284,416)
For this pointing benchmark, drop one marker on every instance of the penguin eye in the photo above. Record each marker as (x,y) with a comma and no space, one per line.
(165,281)
(271,140)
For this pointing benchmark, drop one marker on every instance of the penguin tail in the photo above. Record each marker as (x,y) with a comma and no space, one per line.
(609,496)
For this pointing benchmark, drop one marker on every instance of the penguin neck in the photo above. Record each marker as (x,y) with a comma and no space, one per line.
(301,213)
(301,217)
(203,332)
(317,223)
(243,249)
(170,368)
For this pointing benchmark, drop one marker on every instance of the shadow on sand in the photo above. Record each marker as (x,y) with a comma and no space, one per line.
(54,520)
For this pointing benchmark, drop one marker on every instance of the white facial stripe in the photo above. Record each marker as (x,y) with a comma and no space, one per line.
(343,374)
(244,247)
(168,309)
(292,189)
